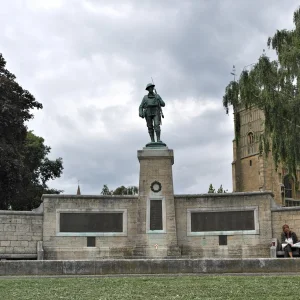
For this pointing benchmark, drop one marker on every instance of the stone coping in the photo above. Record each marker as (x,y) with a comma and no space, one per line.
(283,208)
(20,212)
(206,195)
(237,194)
(148,266)
(155,153)
(90,196)
(18,256)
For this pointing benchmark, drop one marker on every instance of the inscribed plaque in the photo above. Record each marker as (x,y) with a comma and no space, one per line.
(156,222)
(91,222)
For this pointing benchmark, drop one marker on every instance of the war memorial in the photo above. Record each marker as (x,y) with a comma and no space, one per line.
(154,232)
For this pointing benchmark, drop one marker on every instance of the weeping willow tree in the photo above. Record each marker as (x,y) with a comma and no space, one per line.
(273,87)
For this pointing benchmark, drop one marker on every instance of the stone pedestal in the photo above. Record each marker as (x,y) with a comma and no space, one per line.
(156,224)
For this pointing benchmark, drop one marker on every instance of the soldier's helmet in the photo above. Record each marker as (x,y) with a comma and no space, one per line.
(148,85)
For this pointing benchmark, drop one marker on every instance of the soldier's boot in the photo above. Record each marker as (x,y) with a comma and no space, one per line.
(158,136)
(151,133)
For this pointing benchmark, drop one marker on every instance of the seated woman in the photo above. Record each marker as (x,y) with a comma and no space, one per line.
(288,237)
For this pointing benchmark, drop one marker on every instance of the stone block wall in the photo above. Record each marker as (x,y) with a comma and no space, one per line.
(285,215)
(241,245)
(149,266)
(71,246)
(19,233)
(156,166)
(238,245)
(250,179)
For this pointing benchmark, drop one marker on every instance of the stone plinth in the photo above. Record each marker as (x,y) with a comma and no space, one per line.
(156,224)
(149,266)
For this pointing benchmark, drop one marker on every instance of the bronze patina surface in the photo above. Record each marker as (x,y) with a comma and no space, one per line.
(150,109)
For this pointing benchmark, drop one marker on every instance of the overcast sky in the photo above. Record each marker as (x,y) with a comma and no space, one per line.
(88,62)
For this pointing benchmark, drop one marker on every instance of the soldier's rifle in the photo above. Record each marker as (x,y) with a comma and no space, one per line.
(159,106)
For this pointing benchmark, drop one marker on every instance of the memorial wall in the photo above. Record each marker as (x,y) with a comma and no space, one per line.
(88,227)
(236,225)
(19,233)
(225,225)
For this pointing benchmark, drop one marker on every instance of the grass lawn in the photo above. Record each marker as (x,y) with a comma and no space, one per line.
(179,287)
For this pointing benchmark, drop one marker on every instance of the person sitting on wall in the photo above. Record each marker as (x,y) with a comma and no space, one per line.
(288,238)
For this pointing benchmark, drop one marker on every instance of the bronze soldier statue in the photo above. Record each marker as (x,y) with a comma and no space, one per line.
(150,109)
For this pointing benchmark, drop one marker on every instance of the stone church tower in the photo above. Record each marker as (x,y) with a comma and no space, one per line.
(254,172)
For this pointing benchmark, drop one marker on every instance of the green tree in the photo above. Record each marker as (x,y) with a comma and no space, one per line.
(221,190)
(211,189)
(39,169)
(132,190)
(274,87)
(105,190)
(24,167)
(121,190)
(16,185)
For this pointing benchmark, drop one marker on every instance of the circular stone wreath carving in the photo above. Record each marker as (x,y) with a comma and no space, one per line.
(155,186)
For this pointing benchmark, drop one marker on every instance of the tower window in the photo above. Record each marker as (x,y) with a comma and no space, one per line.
(288,186)
(250,162)
(250,142)
(250,138)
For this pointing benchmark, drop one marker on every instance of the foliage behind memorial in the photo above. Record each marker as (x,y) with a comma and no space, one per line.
(212,190)
(24,166)
(121,190)
(274,87)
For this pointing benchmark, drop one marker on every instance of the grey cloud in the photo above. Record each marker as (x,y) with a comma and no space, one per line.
(68,55)
(197,40)
(110,161)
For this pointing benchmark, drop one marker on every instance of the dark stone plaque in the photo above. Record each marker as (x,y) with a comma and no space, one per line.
(91,222)
(222,240)
(91,241)
(222,221)
(156,222)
